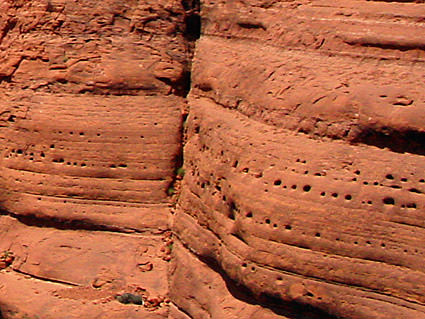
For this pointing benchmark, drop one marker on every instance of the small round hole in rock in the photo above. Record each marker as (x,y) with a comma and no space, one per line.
(306,188)
(388,201)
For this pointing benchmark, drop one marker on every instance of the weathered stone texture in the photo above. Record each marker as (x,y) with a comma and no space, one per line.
(90,130)
(304,192)
(304,162)
(107,156)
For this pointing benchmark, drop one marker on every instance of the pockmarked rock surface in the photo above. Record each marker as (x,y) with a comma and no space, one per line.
(305,158)
(303,194)
(90,131)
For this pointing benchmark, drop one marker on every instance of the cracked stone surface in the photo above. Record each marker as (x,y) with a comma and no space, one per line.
(90,132)
(304,158)
(303,131)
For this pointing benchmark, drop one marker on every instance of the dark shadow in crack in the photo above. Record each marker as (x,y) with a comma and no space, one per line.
(408,141)
(59,223)
(290,310)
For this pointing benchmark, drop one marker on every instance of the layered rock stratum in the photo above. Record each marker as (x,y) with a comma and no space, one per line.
(301,129)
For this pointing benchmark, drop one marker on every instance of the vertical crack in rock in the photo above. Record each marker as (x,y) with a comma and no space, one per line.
(277,200)
(192,32)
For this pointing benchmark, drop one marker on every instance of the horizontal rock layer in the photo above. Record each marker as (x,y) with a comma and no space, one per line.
(304,157)
(304,188)
(79,272)
(112,156)
(346,71)
(90,133)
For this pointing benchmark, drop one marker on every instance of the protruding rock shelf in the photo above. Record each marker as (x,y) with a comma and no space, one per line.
(304,159)
(299,129)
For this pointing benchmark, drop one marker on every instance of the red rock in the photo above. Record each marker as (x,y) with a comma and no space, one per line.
(303,153)
(304,157)
(90,126)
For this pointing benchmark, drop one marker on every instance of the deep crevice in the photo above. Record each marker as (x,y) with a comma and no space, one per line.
(191,32)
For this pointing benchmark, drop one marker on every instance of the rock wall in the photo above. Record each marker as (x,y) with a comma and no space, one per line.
(92,96)
(304,160)
(303,149)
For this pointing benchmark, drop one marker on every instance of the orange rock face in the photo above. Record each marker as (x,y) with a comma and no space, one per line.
(91,137)
(304,162)
(303,194)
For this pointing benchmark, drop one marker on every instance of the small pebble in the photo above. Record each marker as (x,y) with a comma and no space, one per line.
(128,298)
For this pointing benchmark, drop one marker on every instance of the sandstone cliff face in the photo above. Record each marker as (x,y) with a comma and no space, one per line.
(90,132)
(304,161)
(304,188)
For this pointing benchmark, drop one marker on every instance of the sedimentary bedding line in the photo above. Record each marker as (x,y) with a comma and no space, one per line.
(67,224)
(318,279)
(215,266)
(314,51)
(86,177)
(180,309)
(44,279)
(103,202)
(378,296)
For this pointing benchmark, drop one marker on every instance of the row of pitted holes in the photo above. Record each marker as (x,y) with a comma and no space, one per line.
(73,200)
(318,235)
(98,134)
(388,201)
(279,279)
(60,160)
(348,197)
(22,152)
(289,227)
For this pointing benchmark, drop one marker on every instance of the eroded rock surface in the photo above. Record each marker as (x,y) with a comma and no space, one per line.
(304,188)
(90,128)
(304,161)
